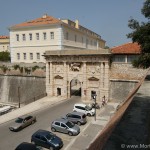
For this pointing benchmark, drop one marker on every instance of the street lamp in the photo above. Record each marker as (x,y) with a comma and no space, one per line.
(94,98)
(19,95)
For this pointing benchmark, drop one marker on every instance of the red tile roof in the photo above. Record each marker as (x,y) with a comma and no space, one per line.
(4,37)
(44,20)
(128,48)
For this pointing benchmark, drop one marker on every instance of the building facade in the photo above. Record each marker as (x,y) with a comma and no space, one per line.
(29,40)
(126,53)
(90,68)
(4,43)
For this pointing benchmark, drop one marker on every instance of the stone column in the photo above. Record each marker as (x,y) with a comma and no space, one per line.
(65,81)
(51,80)
(84,85)
(48,78)
(106,80)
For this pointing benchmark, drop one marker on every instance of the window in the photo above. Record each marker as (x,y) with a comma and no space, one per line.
(18,56)
(67,36)
(30,36)
(57,123)
(131,58)
(119,58)
(62,125)
(24,56)
(82,40)
(43,139)
(75,38)
(17,37)
(44,35)
(52,35)
(38,56)
(37,36)
(23,37)
(31,56)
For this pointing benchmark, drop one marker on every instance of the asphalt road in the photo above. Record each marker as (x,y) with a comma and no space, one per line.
(9,140)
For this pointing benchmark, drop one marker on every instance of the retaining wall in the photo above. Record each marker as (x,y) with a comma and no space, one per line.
(102,138)
(29,89)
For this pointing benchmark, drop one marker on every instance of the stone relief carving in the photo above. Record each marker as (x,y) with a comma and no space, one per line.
(75,66)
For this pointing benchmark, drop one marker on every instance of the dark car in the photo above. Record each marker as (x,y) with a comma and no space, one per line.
(22,122)
(47,139)
(27,146)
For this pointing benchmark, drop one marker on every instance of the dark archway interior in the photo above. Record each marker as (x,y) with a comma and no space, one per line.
(75,87)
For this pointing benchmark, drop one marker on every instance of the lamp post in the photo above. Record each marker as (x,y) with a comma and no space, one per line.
(94,97)
(19,95)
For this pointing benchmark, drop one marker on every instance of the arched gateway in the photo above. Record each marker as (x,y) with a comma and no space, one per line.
(89,67)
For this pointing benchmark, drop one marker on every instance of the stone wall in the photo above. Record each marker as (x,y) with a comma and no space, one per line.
(103,136)
(29,88)
(120,89)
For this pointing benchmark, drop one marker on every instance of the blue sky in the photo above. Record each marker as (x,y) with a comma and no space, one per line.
(108,18)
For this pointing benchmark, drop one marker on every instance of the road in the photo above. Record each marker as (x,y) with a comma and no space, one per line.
(9,140)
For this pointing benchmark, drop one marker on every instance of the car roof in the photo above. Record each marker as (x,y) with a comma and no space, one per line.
(62,120)
(76,113)
(23,117)
(42,132)
(80,105)
(26,146)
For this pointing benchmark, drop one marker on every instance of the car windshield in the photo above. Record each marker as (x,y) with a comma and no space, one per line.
(70,124)
(88,107)
(19,120)
(49,136)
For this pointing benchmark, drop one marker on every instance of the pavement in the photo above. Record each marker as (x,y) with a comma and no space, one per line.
(89,132)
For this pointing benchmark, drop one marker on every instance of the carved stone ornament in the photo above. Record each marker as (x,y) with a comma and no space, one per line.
(75,66)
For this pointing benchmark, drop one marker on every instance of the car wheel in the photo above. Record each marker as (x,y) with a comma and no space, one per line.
(70,133)
(53,129)
(79,123)
(88,114)
(51,148)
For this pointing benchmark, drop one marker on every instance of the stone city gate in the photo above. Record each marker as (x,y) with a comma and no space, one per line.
(89,67)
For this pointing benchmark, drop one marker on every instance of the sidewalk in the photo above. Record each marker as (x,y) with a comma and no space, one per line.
(87,135)
(82,141)
(34,106)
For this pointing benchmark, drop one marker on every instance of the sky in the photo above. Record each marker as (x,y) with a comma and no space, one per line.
(108,18)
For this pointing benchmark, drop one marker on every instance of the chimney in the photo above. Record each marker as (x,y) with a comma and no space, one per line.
(77,24)
(44,16)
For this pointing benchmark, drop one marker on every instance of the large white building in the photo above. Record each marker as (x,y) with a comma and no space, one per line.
(29,40)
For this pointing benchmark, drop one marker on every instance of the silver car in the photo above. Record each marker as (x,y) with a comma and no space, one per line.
(76,117)
(22,122)
(65,126)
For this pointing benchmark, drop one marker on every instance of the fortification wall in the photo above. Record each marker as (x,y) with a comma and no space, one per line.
(29,89)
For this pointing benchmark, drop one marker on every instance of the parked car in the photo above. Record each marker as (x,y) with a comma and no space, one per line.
(65,126)
(76,117)
(47,139)
(27,146)
(22,122)
(89,111)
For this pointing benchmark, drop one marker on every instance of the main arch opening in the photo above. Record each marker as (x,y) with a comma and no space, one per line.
(75,87)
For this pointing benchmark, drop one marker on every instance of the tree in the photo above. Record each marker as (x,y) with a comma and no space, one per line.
(4,56)
(141,35)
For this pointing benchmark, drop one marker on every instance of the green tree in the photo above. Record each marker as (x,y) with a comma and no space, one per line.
(4,56)
(141,35)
